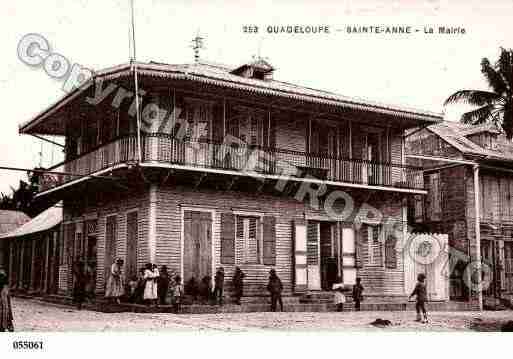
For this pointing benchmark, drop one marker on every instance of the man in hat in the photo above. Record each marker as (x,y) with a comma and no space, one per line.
(275,287)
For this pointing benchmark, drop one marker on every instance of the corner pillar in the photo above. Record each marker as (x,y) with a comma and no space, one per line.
(152,230)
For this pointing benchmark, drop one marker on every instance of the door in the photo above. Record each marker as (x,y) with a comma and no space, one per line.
(197,245)
(300,267)
(110,245)
(329,268)
(132,234)
(348,256)
(508,267)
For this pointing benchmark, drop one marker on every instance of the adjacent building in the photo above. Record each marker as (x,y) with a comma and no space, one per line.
(31,253)
(469,175)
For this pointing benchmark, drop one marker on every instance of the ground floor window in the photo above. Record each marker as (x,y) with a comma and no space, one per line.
(249,235)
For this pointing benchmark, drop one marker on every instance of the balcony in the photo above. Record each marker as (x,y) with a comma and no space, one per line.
(164,150)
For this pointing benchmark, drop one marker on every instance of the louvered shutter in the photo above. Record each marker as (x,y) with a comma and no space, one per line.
(390,252)
(269,241)
(227,238)
(360,245)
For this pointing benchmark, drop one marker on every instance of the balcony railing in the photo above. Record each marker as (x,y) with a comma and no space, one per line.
(162,148)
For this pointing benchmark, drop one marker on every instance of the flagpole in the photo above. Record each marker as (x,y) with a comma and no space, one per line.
(133,63)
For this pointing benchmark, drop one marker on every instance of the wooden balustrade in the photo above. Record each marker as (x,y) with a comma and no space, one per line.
(204,154)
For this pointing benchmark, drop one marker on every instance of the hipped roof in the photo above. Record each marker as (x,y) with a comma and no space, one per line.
(455,133)
(222,76)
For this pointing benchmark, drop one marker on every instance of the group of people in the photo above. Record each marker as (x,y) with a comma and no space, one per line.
(203,292)
(151,286)
(420,292)
(340,298)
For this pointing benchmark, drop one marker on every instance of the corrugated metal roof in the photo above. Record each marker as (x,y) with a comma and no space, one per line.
(42,222)
(455,134)
(220,75)
(10,220)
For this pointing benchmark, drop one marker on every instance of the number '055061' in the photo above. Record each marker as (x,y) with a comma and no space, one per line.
(27,345)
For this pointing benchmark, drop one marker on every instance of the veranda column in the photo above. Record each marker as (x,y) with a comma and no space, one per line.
(476,256)
(32,266)
(22,259)
(152,231)
(11,259)
(54,262)
(46,271)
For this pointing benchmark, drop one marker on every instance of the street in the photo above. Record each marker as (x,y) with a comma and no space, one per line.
(32,315)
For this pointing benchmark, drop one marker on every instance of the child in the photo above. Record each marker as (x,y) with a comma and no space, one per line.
(357,294)
(177,294)
(339,297)
(421,293)
(132,288)
(141,284)
(205,289)
(219,284)
(163,285)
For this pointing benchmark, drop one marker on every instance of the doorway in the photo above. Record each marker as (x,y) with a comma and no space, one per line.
(322,260)
(197,245)
(372,155)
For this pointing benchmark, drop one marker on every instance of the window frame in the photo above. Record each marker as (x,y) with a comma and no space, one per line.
(240,254)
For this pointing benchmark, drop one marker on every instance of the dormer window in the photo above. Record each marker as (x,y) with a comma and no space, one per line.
(258,69)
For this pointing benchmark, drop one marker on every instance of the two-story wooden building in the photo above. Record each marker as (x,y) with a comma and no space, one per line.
(230,167)
(458,159)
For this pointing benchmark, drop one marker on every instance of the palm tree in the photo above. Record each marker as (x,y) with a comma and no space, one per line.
(494,106)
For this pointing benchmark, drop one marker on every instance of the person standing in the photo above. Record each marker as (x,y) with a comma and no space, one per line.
(205,289)
(357,294)
(80,281)
(177,294)
(6,317)
(114,290)
(150,288)
(339,298)
(238,284)
(218,286)
(421,292)
(163,285)
(275,287)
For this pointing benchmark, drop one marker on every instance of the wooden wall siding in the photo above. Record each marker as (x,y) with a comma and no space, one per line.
(426,143)
(169,203)
(119,207)
(497,197)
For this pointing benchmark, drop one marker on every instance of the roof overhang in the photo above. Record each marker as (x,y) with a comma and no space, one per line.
(35,125)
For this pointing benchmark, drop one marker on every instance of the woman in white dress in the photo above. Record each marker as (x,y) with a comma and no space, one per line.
(114,289)
(150,289)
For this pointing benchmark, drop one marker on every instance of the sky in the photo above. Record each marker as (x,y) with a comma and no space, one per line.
(417,70)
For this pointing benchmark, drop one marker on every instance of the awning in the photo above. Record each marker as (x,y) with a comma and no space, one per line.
(44,221)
